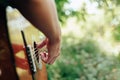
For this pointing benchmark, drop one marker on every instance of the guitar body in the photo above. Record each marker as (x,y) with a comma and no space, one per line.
(16,23)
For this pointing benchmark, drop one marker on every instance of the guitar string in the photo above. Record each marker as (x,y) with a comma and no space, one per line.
(35,55)
(38,52)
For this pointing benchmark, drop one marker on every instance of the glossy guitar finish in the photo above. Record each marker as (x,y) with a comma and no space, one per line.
(21,61)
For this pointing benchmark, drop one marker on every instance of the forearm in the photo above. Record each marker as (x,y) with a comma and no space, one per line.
(42,14)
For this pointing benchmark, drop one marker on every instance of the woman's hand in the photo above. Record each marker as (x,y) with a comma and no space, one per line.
(53,51)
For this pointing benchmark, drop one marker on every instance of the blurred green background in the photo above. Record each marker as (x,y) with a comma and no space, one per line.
(90,47)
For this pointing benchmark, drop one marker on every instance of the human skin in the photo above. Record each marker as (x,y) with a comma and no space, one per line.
(43,15)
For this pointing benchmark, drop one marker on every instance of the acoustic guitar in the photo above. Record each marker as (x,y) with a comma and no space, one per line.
(27,45)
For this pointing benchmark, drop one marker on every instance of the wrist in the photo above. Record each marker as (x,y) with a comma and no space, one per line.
(55,38)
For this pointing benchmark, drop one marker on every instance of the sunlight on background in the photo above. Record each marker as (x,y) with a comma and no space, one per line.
(77,4)
(75,28)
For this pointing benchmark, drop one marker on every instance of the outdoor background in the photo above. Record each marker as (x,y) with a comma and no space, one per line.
(90,47)
(90,40)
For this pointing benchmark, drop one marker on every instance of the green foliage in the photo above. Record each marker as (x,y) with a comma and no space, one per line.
(107,5)
(83,61)
(83,58)
(60,8)
(116,33)
(64,13)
